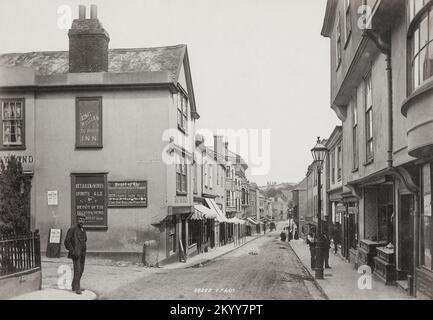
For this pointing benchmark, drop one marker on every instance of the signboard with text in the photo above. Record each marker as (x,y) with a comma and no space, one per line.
(130,194)
(89,194)
(89,123)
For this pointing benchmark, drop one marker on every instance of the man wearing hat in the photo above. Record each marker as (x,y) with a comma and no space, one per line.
(75,243)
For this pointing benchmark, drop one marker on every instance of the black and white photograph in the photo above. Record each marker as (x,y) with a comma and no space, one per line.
(216,151)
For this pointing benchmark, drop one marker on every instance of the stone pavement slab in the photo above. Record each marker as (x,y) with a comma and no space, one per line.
(341,282)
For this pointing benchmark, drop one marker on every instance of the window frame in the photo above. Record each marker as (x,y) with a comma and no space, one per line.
(347,23)
(21,146)
(338,43)
(182,176)
(416,19)
(182,111)
(369,121)
(339,162)
(355,147)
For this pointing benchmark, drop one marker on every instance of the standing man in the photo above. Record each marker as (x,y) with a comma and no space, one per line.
(336,236)
(326,247)
(311,241)
(75,243)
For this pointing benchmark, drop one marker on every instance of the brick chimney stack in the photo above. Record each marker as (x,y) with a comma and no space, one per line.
(88,43)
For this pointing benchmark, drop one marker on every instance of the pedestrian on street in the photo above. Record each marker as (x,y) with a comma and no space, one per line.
(311,241)
(336,236)
(326,247)
(75,243)
(295,231)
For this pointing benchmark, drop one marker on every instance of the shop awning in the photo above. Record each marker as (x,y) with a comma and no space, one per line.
(205,212)
(253,221)
(236,220)
(221,217)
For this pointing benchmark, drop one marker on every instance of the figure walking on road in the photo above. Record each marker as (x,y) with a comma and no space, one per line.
(75,243)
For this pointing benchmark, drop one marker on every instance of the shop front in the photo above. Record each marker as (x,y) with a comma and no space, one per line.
(424,270)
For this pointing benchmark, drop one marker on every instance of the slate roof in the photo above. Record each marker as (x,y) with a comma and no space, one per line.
(167,59)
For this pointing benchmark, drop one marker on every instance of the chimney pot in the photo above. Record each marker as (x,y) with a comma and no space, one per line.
(81,12)
(93,11)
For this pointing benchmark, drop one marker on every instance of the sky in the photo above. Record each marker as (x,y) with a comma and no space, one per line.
(256,64)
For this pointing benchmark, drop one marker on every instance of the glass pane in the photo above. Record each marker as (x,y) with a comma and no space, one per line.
(411,9)
(423,32)
(415,68)
(428,241)
(422,64)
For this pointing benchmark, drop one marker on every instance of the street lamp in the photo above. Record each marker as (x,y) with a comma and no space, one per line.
(319,153)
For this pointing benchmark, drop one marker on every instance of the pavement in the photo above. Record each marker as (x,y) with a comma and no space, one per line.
(103,276)
(341,282)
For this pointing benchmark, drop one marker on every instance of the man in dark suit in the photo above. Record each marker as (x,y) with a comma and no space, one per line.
(75,243)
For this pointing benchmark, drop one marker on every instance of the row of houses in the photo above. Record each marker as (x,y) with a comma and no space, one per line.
(377,176)
(111,133)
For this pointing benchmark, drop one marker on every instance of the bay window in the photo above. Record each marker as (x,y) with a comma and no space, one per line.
(420,42)
(355,136)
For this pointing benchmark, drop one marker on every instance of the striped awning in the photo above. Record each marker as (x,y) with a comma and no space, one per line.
(205,212)
(253,221)
(221,217)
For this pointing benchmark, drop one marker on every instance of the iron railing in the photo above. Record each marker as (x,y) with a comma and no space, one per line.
(19,253)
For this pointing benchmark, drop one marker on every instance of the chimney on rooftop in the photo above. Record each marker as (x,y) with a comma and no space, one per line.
(88,43)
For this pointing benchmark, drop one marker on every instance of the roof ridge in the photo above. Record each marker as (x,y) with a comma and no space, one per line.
(115,49)
(148,48)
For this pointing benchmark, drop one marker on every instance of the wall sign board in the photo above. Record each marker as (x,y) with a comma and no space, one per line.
(130,194)
(52,197)
(89,197)
(89,122)
(54,243)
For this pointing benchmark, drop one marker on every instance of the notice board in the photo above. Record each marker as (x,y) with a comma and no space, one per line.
(127,194)
(89,122)
(54,243)
(89,197)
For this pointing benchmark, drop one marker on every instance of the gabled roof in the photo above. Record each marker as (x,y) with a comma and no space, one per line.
(168,59)
(138,60)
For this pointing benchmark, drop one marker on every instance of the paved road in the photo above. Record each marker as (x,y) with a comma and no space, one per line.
(265,268)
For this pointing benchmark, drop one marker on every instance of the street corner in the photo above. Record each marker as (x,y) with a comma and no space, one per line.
(57,294)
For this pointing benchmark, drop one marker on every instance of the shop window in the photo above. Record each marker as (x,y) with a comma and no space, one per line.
(171,231)
(426,219)
(13,125)
(420,42)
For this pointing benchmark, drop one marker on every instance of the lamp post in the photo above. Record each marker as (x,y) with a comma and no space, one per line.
(319,153)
